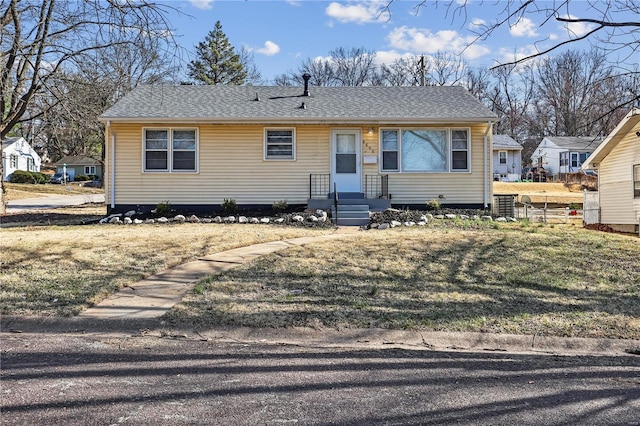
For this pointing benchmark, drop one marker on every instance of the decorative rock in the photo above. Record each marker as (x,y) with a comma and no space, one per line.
(374,225)
(475,217)
(439,216)
(297,218)
(450,216)
(194,219)
(229,219)
(149,221)
(130,213)
(104,220)
(312,218)
(278,220)
(179,218)
(115,220)
(114,215)
(512,219)
(267,220)
(384,226)
(487,218)
(421,223)
(207,220)
(429,217)
(321,214)
(423,218)
(395,223)
(138,221)
(464,216)
(501,219)
(409,223)
(217,219)
(127,221)
(243,219)
(254,220)
(162,220)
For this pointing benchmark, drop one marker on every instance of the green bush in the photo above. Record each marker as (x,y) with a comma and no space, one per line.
(163,208)
(280,205)
(229,205)
(81,178)
(433,205)
(23,176)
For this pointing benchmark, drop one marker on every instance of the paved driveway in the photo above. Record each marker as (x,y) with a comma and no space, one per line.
(52,202)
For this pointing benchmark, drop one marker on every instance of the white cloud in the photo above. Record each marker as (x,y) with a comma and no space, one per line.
(360,13)
(577,29)
(202,4)
(511,55)
(523,28)
(477,23)
(387,57)
(269,49)
(424,41)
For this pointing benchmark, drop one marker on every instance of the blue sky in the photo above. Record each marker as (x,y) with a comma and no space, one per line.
(281,34)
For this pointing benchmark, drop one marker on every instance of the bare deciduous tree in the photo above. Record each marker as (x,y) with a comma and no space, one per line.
(43,39)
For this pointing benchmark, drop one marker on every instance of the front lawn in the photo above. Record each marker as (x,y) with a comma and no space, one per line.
(521,279)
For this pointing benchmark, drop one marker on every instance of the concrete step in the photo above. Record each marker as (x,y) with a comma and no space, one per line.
(351,214)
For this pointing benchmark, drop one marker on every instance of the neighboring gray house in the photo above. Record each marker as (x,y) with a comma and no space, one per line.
(79,165)
(507,158)
(564,154)
(17,154)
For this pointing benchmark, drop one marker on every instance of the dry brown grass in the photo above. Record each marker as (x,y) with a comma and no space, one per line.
(20,191)
(519,279)
(60,270)
(550,192)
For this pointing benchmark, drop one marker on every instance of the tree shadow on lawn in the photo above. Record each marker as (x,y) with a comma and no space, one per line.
(461,286)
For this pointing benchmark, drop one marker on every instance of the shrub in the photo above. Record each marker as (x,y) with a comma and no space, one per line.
(433,205)
(229,205)
(23,176)
(163,208)
(81,178)
(280,205)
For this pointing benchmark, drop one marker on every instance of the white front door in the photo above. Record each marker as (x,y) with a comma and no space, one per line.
(346,166)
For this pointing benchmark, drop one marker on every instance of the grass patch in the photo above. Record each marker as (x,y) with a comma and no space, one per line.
(61,270)
(560,281)
(20,191)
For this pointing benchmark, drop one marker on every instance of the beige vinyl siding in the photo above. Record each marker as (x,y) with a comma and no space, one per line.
(231,165)
(617,203)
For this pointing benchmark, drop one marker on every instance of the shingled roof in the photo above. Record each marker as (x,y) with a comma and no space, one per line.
(265,104)
(506,142)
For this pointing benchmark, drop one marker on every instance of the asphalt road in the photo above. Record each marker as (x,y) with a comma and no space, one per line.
(71,379)
(52,202)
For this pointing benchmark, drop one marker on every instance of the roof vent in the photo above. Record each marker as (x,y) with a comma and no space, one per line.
(257,99)
(303,106)
(306,78)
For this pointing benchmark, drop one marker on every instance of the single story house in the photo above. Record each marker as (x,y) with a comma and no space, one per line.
(17,154)
(196,146)
(507,158)
(564,154)
(77,165)
(617,160)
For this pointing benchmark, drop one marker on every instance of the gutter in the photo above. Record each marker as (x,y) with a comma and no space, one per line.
(486,160)
(112,165)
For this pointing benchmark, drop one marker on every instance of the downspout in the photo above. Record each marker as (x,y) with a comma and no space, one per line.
(486,163)
(112,167)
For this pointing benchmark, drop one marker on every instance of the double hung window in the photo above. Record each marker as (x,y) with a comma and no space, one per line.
(89,170)
(170,150)
(502,157)
(636,181)
(425,150)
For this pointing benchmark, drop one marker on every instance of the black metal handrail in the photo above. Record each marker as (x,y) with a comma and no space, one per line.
(376,186)
(319,185)
(335,200)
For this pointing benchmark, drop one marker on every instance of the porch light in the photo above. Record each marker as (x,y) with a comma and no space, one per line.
(370,130)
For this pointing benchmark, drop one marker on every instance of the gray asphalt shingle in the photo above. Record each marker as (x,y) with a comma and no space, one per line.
(335,104)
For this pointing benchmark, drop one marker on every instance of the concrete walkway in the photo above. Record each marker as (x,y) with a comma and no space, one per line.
(52,202)
(155,295)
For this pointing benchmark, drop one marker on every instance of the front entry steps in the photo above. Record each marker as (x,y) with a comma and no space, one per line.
(351,214)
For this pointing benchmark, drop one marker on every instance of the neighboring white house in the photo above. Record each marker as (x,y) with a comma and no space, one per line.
(17,154)
(564,154)
(617,161)
(507,158)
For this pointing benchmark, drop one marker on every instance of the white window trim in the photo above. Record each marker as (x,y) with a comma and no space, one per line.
(506,157)
(169,168)
(449,131)
(293,143)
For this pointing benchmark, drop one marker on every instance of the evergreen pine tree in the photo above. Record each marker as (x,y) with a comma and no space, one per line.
(218,62)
